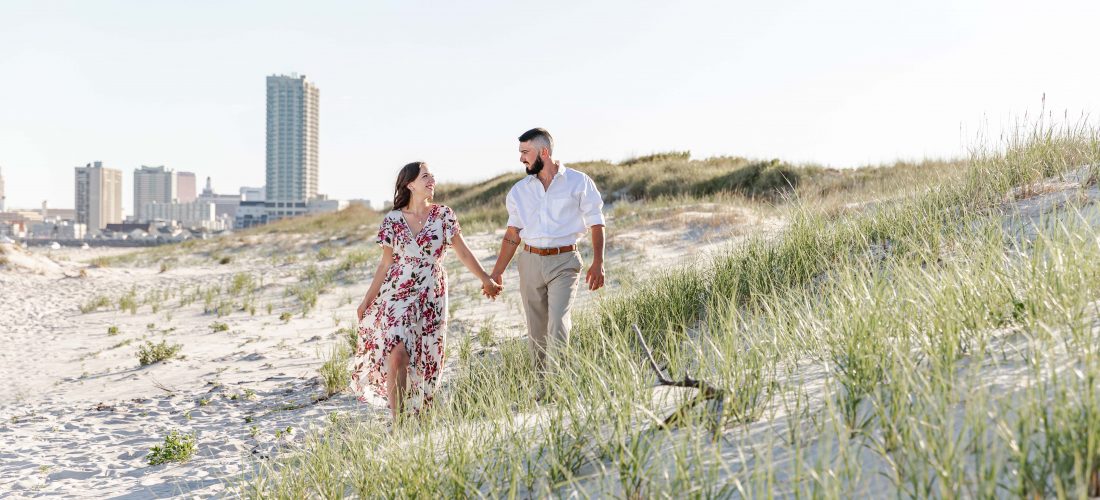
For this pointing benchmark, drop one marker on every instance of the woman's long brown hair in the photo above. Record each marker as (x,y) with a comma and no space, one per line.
(401,193)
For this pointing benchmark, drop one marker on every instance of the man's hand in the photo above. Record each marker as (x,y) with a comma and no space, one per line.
(490,288)
(594,278)
(498,278)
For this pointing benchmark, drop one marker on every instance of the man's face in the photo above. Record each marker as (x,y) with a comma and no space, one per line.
(530,156)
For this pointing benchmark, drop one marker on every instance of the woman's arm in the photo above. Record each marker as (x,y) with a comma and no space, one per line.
(489,287)
(379,277)
(468,259)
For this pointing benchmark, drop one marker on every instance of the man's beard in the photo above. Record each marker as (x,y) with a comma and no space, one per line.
(535,168)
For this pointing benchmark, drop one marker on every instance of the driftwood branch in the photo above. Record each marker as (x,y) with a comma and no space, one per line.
(707,392)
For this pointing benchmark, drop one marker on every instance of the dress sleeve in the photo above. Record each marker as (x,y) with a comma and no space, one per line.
(385,233)
(450,225)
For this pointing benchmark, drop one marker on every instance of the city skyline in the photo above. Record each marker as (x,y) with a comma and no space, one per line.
(841,84)
(184,194)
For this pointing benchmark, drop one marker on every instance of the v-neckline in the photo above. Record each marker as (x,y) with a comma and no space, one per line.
(422,228)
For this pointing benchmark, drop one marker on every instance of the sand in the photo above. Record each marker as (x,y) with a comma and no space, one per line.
(79,414)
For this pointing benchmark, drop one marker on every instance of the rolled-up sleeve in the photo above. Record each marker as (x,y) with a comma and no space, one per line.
(514,220)
(591,204)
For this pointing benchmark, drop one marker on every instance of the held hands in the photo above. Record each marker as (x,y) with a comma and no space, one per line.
(595,277)
(491,286)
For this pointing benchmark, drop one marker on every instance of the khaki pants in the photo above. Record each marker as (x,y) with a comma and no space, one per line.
(546,287)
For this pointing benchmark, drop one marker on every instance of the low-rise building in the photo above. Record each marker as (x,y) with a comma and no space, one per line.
(199,214)
(250,214)
(54,229)
(322,204)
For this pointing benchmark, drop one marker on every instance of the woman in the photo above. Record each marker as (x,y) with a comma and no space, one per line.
(403,317)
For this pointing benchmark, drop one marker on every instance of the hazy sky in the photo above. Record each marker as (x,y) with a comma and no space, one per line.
(453,83)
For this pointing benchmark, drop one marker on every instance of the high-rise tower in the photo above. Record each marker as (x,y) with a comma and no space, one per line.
(292,161)
(153,185)
(98,196)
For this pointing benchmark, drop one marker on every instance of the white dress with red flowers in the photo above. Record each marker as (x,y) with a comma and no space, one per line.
(411,307)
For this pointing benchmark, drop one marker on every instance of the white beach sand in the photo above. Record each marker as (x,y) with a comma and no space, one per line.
(79,414)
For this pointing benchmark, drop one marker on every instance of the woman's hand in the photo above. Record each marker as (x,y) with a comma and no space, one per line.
(490,288)
(362,310)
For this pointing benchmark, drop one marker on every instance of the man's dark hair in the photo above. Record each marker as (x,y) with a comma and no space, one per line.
(540,137)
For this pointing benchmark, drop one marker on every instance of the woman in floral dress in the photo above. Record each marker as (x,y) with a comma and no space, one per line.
(403,317)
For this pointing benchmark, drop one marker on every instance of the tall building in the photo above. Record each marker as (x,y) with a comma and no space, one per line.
(98,196)
(2,198)
(292,162)
(153,185)
(186,190)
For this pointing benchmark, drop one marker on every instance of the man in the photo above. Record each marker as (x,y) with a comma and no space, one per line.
(548,212)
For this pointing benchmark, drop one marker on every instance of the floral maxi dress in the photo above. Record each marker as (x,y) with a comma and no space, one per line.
(411,307)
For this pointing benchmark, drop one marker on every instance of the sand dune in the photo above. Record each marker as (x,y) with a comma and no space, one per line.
(79,413)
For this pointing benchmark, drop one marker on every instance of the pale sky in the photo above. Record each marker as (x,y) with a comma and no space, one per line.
(181,84)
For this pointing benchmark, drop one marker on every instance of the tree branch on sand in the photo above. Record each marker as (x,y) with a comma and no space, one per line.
(707,393)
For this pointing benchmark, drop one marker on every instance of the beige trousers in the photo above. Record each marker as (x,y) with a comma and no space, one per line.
(546,287)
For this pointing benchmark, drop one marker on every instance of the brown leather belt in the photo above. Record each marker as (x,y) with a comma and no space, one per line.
(549,251)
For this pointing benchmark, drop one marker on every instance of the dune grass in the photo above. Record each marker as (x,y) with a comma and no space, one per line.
(915,346)
(676,177)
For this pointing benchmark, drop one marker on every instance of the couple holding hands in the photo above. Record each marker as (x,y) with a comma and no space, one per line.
(403,317)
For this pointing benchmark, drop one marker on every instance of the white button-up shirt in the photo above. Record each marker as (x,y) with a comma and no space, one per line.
(559,215)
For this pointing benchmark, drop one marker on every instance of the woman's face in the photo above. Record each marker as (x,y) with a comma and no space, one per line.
(423,185)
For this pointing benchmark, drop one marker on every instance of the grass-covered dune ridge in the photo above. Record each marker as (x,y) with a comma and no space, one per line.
(918,343)
(676,175)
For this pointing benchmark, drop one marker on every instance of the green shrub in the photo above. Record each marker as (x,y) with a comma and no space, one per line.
(176,448)
(154,353)
(112,330)
(218,326)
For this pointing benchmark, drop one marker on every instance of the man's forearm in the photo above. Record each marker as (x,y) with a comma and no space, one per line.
(597,243)
(508,247)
